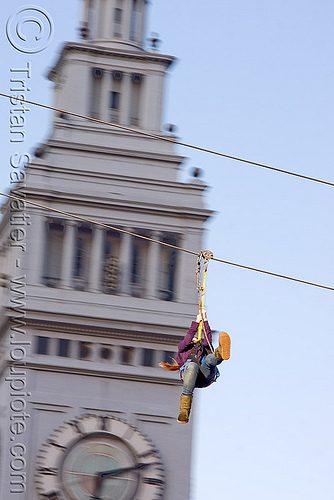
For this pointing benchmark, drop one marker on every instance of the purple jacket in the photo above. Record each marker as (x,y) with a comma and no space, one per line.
(182,357)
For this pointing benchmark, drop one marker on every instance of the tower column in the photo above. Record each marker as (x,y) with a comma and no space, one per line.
(84,12)
(142,26)
(153,266)
(180,275)
(68,255)
(126,28)
(36,244)
(151,114)
(95,268)
(100,14)
(108,20)
(126,99)
(104,110)
(125,261)
(185,290)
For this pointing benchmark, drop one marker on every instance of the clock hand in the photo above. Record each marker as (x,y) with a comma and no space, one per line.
(115,472)
(118,472)
(97,488)
(100,476)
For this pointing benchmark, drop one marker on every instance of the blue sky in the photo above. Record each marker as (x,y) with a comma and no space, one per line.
(253,79)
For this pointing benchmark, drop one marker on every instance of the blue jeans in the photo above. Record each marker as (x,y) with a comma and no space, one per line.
(193,377)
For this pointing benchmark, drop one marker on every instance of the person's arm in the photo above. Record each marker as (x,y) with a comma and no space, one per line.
(206,327)
(189,336)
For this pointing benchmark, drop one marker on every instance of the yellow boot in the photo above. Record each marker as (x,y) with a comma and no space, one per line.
(185,407)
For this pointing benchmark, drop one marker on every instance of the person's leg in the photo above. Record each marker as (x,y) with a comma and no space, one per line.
(189,376)
(208,366)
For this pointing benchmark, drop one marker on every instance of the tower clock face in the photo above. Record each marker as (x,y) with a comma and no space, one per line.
(99,458)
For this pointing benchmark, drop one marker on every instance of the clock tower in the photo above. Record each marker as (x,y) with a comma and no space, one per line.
(88,312)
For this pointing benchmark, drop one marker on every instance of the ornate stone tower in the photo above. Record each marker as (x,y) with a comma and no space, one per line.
(89,312)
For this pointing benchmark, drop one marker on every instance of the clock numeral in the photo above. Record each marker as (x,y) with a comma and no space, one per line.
(57,445)
(128,433)
(76,426)
(146,453)
(153,480)
(47,471)
(103,423)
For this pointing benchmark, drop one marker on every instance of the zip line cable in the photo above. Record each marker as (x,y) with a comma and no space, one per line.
(67,214)
(179,143)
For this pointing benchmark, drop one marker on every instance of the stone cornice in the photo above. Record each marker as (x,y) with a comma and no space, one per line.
(111,374)
(101,332)
(128,153)
(109,52)
(147,182)
(120,205)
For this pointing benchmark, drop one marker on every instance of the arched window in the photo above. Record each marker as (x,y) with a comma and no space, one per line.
(115,96)
(96,86)
(53,253)
(83,248)
(138,280)
(168,263)
(136,91)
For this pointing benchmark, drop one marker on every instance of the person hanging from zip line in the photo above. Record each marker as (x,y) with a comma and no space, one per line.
(197,361)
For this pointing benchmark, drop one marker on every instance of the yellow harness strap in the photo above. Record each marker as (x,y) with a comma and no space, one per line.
(206,255)
(200,326)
